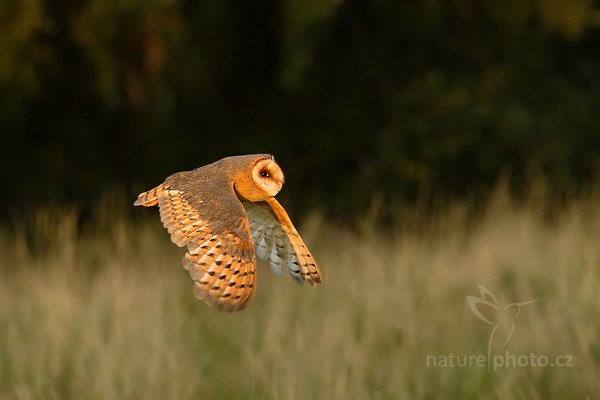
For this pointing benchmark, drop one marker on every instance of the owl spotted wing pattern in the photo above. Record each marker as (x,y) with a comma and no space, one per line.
(276,240)
(220,256)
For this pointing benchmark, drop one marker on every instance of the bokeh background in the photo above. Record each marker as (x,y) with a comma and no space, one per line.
(359,99)
(429,146)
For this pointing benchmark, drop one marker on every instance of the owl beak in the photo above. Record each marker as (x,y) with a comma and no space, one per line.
(279,186)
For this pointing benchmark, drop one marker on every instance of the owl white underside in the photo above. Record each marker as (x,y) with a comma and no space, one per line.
(270,241)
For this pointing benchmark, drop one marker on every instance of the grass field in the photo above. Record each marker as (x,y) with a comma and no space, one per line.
(107,312)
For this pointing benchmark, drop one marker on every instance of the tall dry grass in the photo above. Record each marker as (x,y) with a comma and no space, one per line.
(108,313)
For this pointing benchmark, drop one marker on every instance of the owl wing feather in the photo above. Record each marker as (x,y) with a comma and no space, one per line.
(209,219)
(276,240)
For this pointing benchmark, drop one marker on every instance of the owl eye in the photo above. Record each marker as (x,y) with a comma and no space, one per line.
(264,173)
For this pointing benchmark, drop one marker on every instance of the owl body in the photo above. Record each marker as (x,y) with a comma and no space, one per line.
(226,214)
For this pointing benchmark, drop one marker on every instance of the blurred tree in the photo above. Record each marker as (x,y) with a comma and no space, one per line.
(358,99)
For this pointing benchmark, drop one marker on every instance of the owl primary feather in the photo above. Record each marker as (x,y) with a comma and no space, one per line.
(226,214)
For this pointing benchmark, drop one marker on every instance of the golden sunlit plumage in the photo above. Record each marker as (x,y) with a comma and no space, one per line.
(222,212)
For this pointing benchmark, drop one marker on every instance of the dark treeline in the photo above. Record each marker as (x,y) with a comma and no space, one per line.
(393,100)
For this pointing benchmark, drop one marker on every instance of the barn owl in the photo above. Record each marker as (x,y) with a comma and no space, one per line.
(226,214)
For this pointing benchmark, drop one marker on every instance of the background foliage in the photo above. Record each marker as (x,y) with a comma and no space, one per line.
(109,314)
(369,99)
(373,109)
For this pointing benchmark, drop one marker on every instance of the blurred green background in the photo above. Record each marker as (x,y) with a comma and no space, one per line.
(398,101)
(403,114)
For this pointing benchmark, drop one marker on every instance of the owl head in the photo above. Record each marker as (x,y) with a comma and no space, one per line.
(257,177)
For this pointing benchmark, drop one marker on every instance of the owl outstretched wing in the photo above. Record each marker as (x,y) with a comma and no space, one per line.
(276,240)
(209,219)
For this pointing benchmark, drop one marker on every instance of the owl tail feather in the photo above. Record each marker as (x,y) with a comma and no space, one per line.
(149,198)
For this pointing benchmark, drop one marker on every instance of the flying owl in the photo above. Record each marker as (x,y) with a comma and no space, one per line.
(226,214)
